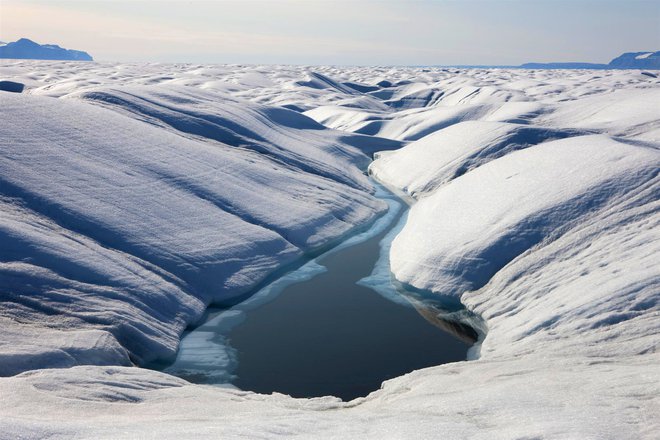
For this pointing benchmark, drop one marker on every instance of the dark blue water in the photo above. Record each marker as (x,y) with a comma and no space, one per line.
(326,335)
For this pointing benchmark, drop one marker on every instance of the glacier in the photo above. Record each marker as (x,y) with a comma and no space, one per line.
(135,195)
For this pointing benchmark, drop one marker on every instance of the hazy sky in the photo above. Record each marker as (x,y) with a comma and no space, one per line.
(339,31)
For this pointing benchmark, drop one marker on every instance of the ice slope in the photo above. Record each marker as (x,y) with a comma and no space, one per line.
(502,96)
(446,154)
(484,219)
(406,125)
(111,223)
(625,113)
(281,134)
(537,207)
(510,399)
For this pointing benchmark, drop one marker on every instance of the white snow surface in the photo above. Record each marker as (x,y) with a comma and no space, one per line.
(133,195)
(446,154)
(516,202)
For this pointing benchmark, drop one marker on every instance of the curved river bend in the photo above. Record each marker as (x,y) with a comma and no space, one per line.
(337,326)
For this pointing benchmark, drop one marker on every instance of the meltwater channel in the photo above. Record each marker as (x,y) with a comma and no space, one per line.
(338,325)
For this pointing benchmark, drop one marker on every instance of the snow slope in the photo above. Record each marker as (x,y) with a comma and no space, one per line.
(146,191)
(507,206)
(446,154)
(112,223)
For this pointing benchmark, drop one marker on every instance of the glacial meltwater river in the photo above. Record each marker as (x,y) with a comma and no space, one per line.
(336,326)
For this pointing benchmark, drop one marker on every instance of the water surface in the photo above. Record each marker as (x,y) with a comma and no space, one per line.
(317,332)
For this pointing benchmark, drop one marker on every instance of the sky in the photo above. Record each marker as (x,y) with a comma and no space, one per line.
(339,32)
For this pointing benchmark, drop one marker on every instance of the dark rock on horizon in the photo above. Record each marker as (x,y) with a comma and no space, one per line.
(564,66)
(25,49)
(637,60)
(629,60)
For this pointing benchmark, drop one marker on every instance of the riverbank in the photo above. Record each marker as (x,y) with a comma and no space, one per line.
(322,329)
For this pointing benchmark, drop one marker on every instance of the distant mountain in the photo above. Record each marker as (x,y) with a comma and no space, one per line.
(637,60)
(28,49)
(564,66)
(629,60)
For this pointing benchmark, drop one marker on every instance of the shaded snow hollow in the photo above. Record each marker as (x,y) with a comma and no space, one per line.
(133,195)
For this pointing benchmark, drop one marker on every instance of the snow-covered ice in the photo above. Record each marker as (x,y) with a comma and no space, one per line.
(485,218)
(134,195)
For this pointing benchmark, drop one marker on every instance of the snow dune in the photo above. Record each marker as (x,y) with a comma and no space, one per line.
(132,195)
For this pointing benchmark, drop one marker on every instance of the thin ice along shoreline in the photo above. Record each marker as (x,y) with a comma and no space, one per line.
(343,301)
(207,336)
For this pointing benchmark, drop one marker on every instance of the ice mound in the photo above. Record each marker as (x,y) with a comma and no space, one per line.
(408,125)
(591,294)
(25,347)
(459,236)
(626,113)
(284,135)
(414,123)
(319,81)
(434,160)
